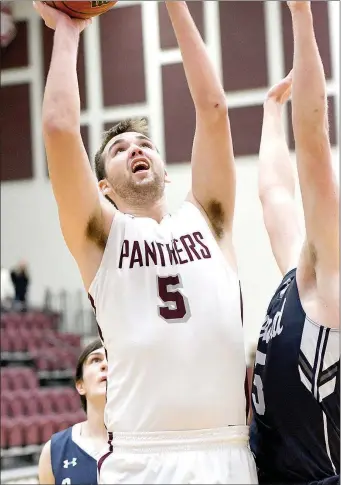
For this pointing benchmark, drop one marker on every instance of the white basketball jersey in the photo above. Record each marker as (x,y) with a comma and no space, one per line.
(168,308)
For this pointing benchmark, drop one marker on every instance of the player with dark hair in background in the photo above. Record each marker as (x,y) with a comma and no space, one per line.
(71,455)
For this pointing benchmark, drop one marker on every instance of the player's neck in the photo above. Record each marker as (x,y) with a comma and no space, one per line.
(155,210)
(94,425)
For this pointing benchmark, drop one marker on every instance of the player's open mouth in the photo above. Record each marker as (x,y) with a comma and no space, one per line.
(140,165)
(103,379)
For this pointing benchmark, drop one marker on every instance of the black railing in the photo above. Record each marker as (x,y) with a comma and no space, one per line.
(75,310)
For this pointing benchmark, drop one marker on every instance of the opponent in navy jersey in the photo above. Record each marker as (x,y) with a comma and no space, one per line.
(70,463)
(295,432)
(70,457)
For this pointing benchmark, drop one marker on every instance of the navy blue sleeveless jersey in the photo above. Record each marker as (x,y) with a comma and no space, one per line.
(70,464)
(295,429)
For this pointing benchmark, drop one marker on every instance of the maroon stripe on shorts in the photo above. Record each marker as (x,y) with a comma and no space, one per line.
(101,461)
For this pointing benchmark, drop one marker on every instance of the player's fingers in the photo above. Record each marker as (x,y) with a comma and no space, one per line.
(41,7)
(83,24)
(286,95)
(37,6)
(289,76)
(287,81)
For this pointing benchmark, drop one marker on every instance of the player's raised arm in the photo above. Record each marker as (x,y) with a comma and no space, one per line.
(73,182)
(320,191)
(276,181)
(213,171)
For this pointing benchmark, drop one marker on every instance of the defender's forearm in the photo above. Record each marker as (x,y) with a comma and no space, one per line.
(61,105)
(275,165)
(309,88)
(204,84)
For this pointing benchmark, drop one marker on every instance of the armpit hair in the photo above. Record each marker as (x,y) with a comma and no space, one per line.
(312,254)
(216,215)
(95,232)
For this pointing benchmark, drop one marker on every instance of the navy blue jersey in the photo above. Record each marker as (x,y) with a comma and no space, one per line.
(70,463)
(295,431)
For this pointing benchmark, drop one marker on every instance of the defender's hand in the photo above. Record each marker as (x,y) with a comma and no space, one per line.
(52,17)
(281,91)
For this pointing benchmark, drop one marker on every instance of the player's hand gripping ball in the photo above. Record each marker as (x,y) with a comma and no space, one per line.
(82,9)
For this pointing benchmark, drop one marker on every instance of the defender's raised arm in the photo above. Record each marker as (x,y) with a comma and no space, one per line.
(320,191)
(276,181)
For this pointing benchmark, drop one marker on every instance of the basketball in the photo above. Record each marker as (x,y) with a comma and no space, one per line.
(82,9)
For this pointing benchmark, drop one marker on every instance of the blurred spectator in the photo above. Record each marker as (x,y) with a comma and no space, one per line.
(8,28)
(21,280)
(7,289)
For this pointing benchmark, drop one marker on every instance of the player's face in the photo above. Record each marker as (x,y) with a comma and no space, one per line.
(95,368)
(135,171)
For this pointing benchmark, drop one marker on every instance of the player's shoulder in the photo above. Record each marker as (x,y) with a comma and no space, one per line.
(45,471)
(189,207)
(62,435)
(46,450)
(191,214)
(288,278)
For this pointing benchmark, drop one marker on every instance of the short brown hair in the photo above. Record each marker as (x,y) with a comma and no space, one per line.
(91,347)
(138,125)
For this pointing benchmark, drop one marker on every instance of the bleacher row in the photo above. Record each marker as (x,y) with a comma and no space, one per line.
(36,335)
(18,428)
(31,413)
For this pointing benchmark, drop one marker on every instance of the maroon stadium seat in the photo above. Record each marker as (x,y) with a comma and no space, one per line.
(4,380)
(16,407)
(48,426)
(64,421)
(41,361)
(6,344)
(11,320)
(30,401)
(73,398)
(15,431)
(17,342)
(5,411)
(46,401)
(3,428)
(25,378)
(60,400)
(32,430)
(12,379)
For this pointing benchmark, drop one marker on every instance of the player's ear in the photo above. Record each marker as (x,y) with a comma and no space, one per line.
(104,187)
(80,387)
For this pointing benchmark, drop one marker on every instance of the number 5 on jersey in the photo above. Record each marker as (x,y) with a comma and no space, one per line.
(259,401)
(176,307)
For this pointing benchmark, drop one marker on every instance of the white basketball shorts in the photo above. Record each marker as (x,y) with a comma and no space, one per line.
(219,455)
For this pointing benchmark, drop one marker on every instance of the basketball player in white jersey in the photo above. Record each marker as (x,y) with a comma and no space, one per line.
(164,287)
(70,457)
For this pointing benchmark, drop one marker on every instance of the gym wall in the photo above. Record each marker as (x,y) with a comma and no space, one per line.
(129,65)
